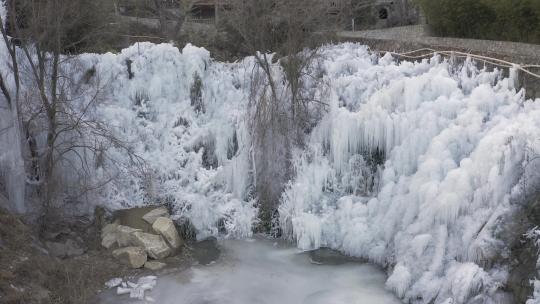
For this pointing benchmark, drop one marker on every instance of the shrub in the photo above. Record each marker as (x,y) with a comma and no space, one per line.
(513,20)
(79,25)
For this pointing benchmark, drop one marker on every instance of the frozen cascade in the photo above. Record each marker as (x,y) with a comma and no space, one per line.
(413,166)
(11,160)
(188,148)
(456,146)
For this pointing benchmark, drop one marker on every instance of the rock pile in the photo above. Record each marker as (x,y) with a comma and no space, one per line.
(157,238)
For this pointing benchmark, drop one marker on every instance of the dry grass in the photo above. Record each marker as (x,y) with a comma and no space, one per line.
(28,275)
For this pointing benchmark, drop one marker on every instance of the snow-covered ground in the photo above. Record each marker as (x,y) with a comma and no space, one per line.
(266,271)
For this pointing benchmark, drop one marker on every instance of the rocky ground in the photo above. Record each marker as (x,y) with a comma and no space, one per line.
(70,262)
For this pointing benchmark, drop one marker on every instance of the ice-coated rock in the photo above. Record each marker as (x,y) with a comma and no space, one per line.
(153,215)
(155,245)
(134,257)
(166,228)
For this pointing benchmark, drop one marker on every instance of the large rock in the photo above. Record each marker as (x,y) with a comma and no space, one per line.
(155,245)
(134,257)
(109,228)
(124,235)
(153,215)
(109,240)
(133,218)
(166,228)
(109,235)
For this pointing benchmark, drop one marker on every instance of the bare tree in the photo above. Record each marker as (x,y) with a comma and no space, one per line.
(281,110)
(53,104)
(172,15)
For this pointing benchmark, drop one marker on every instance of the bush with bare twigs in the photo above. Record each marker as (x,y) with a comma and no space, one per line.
(284,37)
(61,145)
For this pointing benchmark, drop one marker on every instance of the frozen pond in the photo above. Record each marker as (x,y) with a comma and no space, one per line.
(264,271)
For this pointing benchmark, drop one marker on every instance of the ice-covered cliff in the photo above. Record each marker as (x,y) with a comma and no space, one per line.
(416,166)
(413,166)
(184,115)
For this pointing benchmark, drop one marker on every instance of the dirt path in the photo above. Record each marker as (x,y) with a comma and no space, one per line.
(408,38)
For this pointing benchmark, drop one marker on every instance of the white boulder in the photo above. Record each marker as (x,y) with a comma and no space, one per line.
(166,228)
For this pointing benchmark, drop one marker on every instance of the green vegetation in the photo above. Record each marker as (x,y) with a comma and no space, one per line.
(513,20)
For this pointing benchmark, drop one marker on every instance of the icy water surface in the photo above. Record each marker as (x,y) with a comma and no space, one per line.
(264,271)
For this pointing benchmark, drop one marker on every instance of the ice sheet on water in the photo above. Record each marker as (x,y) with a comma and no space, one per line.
(265,271)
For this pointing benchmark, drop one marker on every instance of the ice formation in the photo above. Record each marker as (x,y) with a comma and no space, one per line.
(11,160)
(443,156)
(412,167)
(114,282)
(182,113)
(137,290)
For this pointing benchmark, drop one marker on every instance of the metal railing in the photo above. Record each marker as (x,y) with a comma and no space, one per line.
(427,52)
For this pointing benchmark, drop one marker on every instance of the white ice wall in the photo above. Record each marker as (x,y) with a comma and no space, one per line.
(172,136)
(12,170)
(456,145)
